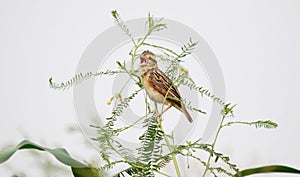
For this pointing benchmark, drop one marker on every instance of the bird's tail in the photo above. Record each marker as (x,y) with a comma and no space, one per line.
(185,112)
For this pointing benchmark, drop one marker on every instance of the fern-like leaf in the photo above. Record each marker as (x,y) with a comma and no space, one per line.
(122,25)
(203,91)
(108,145)
(162,162)
(78,78)
(154,25)
(151,142)
(221,170)
(258,124)
(226,160)
(189,106)
(120,108)
(187,48)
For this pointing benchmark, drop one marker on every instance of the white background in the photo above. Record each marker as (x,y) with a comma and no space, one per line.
(257,44)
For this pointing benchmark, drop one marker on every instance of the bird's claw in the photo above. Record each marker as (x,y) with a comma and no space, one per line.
(157,115)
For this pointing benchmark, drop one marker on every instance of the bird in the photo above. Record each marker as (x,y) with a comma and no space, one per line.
(158,86)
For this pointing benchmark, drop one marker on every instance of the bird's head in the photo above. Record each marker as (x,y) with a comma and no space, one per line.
(148,61)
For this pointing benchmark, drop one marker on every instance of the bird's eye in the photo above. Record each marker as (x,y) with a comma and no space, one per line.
(151,59)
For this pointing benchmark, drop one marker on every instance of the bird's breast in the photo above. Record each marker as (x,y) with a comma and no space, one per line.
(151,91)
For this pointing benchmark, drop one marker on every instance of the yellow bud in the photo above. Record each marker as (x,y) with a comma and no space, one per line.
(110,101)
(183,70)
(118,96)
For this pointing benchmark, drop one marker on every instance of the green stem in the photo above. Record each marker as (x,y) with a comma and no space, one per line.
(171,149)
(133,124)
(213,147)
(161,47)
(122,156)
(139,44)
(123,87)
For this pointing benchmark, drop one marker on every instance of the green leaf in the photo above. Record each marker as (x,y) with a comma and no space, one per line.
(150,150)
(120,65)
(78,78)
(267,169)
(85,172)
(114,13)
(258,124)
(79,169)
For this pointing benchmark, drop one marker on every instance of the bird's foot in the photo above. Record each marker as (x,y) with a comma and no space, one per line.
(157,115)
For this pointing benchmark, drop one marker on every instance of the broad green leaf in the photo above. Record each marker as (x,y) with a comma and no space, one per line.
(79,169)
(268,169)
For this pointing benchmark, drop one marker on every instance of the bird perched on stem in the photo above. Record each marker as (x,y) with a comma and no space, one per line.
(158,86)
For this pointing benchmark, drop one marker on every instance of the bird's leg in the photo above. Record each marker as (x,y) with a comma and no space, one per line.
(157,115)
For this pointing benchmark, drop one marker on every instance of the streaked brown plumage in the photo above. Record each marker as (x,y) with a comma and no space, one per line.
(158,86)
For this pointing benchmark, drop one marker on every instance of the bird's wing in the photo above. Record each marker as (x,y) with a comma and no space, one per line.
(164,86)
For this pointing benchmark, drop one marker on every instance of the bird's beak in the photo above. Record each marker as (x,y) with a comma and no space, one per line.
(143,61)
